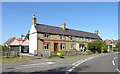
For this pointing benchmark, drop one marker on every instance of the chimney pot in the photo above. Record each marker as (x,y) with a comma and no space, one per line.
(34,20)
(96,32)
(63,26)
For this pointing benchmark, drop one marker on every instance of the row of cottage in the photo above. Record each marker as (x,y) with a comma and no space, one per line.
(50,38)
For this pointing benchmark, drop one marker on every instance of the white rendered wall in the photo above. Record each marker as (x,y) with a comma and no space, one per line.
(26,42)
(32,40)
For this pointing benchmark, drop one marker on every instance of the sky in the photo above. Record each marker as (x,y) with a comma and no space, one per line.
(60,0)
(84,16)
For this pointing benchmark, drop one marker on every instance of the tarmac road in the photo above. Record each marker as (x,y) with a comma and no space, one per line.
(105,64)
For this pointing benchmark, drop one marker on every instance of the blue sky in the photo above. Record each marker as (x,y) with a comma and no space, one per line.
(85,16)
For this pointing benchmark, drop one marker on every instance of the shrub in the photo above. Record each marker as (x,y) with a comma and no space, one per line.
(5,48)
(103,47)
(0,47)
(94,46)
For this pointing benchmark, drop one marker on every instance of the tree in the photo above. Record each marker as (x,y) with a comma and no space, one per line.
(5,48)
(0,47)
(27,35)
(103,46)
(6,51)
(118,46)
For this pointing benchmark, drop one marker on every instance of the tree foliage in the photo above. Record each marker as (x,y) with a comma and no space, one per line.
(94,46)
(103,46)
(5,48)
(0,47)
(27,35)
(99,46)
(118,45)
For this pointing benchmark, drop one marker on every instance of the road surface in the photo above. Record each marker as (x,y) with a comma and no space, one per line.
(104,64)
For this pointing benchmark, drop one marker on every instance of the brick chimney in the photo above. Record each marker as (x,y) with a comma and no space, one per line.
(34,20)
(96,32)
(63,26)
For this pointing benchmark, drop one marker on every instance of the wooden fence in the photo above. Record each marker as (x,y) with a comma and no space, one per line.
(9,54)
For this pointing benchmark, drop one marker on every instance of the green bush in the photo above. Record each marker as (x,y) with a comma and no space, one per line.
(117,48)
(0,47)
(5,48)
(94,46)
(105,51)
(104,47)
(118,45)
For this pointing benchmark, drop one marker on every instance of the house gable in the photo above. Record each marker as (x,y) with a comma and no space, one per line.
(15,42)
(33,40)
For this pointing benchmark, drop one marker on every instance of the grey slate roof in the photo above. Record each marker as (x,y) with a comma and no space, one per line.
(58,30)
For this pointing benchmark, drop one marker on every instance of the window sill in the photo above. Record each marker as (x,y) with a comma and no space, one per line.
(46,38)
(46,49)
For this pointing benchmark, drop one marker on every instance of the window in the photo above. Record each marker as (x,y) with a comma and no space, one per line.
(73,37)
(84,39)
(90,39)
(72,46)
(46,35)
(111,42)
(62,46)
(46,46)
(62,37)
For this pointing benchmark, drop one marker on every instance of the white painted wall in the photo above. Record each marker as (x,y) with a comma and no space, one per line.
(26,42)
(33,40)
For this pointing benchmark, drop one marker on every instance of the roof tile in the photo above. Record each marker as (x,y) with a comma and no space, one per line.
(9,40)
(58,30)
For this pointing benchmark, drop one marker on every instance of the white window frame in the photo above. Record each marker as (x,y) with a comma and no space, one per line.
(63,46)
(46,35)
(73,38)
(62,37)
(46,46)
(84,39)
(72,46)
(90,40)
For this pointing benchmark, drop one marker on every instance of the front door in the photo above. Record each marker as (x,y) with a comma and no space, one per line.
(55,46)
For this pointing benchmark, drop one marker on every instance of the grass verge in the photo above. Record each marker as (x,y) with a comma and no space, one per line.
(15,60)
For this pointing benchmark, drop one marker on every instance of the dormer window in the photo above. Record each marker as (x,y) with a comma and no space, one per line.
(84,39)
(46,35)
(62,37)
(90,39)
(73,37)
